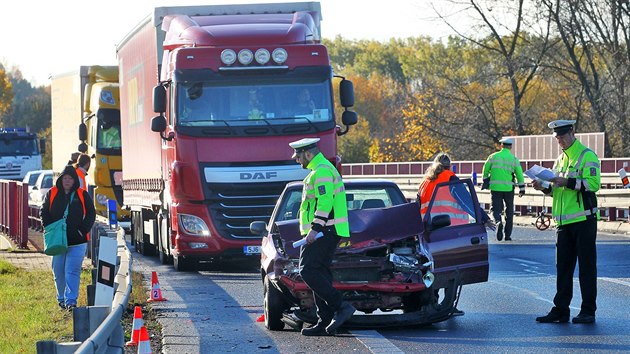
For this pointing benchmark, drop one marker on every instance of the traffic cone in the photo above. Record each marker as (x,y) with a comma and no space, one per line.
(261,318)
(144,346)
(156,293)
(137,324)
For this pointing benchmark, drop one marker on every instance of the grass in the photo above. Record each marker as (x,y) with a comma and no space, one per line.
(29,310)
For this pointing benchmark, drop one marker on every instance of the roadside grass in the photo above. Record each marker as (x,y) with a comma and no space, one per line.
(29,310)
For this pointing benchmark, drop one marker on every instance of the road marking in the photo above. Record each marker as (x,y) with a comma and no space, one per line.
(525,261)
(616,281)
(375,342)
(530,292)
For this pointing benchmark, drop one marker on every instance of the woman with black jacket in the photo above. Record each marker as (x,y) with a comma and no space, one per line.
(81,215)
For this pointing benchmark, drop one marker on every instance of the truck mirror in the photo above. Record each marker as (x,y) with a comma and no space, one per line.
(82,148)
(42,146)
(159,99)
(349,118)
(346,93)
(82,132)
(158,124)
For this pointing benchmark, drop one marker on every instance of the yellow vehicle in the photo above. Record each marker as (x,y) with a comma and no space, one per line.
(89,98)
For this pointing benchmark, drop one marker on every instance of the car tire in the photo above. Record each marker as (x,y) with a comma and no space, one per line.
(274,306)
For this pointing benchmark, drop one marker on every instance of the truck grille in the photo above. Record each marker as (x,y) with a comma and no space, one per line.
(234,206)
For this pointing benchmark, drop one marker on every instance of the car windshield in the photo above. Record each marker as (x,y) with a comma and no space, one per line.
(32,178)
(357,197)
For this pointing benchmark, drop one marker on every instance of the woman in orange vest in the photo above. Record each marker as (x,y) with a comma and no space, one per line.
(81,215)
(447,201)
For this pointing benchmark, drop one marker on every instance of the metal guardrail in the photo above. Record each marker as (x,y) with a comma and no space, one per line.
(97,329)
(14,211)
(614,202)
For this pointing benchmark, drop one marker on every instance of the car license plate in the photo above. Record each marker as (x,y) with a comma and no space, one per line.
(251,249)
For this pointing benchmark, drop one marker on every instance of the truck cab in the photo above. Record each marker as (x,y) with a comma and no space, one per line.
(20,152)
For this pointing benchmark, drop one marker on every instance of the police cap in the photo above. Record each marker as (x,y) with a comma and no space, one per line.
(561,127)
(506,141)
(303,145)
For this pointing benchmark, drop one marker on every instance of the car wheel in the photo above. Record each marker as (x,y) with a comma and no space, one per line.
(274,307)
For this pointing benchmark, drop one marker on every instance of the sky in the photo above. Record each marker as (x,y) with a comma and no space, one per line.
(44,38)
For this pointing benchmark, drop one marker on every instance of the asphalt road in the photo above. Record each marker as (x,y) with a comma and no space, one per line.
(212,311)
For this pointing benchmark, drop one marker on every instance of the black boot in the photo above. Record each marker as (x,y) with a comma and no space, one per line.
(554,316)
(317,330)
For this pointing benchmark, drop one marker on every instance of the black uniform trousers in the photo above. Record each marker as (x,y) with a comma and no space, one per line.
(315,261)
(576,242)
(498,199)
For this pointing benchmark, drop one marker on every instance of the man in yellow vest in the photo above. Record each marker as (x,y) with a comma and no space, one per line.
(575,211)
(323,221)
(500,169)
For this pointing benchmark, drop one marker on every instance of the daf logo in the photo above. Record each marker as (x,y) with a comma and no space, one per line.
(258,175)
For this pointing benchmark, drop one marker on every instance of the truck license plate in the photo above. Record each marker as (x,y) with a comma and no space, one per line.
(251,249)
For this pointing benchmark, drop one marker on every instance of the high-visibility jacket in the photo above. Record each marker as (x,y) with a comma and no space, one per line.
(577,200)
(81,175)
(501,167)
(323,199)
(444,202)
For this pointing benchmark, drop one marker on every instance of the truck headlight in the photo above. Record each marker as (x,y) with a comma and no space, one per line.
(193,225)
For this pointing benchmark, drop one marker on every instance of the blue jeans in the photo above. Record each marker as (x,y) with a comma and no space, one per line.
(67,273)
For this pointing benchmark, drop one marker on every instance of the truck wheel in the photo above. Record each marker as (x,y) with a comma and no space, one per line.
(182,264)
(273,306)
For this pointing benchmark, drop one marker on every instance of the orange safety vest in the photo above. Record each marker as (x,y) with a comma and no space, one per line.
(53,194)
(81,177)
(444,202)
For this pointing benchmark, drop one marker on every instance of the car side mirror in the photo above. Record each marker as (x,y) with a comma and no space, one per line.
(257,227)
(438,222)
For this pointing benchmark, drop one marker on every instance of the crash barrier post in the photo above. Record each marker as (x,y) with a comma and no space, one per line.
(97,329)
(14,211)
(34,219)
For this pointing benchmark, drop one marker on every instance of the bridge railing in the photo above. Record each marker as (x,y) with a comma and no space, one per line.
(14,211)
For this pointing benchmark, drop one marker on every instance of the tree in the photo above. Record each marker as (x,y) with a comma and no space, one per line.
(6,94)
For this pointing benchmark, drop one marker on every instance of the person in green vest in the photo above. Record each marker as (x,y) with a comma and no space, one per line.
(323,220)
(575,211)
(500,170)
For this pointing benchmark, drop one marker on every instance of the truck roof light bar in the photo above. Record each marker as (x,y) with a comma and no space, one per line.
(228,56)
(245,56)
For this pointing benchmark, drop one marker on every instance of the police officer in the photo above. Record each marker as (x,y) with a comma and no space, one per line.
(575,211)
(500,169)
(323,210)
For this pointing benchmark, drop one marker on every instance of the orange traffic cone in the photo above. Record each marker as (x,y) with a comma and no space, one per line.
(137,324)
(156,293)
(144,346)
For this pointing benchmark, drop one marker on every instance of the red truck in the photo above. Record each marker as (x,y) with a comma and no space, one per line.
(232,85)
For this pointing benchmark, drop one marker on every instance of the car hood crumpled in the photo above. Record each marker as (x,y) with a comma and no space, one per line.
(369,228)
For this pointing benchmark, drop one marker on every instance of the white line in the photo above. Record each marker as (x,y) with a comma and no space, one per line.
(525,261)
(616,281)
(375,342)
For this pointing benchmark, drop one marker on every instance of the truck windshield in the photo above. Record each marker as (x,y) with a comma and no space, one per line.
(108,128)
(233,104)
(18,147)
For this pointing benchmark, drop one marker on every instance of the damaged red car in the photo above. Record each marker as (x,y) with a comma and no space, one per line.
(392,267)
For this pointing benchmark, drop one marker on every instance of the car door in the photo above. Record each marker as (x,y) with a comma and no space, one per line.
(459,249)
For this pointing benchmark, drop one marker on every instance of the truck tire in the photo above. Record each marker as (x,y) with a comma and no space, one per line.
(163,240)
(182,264)
(274,307)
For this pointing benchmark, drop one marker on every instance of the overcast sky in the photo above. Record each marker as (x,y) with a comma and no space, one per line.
(44,37)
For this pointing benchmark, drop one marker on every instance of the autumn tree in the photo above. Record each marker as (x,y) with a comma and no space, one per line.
(6,94)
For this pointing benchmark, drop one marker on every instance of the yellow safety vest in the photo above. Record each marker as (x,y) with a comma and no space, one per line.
(323,199)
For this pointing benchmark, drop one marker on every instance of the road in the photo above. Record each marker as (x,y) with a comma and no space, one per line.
(221,308)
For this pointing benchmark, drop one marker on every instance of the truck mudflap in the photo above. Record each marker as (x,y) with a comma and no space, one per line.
(425,316)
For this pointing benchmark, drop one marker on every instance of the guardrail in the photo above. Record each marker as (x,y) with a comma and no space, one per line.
(613,202)
(14,211)
(97,329)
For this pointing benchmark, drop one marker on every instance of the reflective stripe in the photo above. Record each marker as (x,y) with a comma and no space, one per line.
(310,196)
(323,179)
(502,182)
(339,190)
(578,184)
(591,164)
(305,228)
(454,215)
(507,168)
(439,203)
(577,215)
(336,221)
(424,205)
(321,214)
(319,221)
